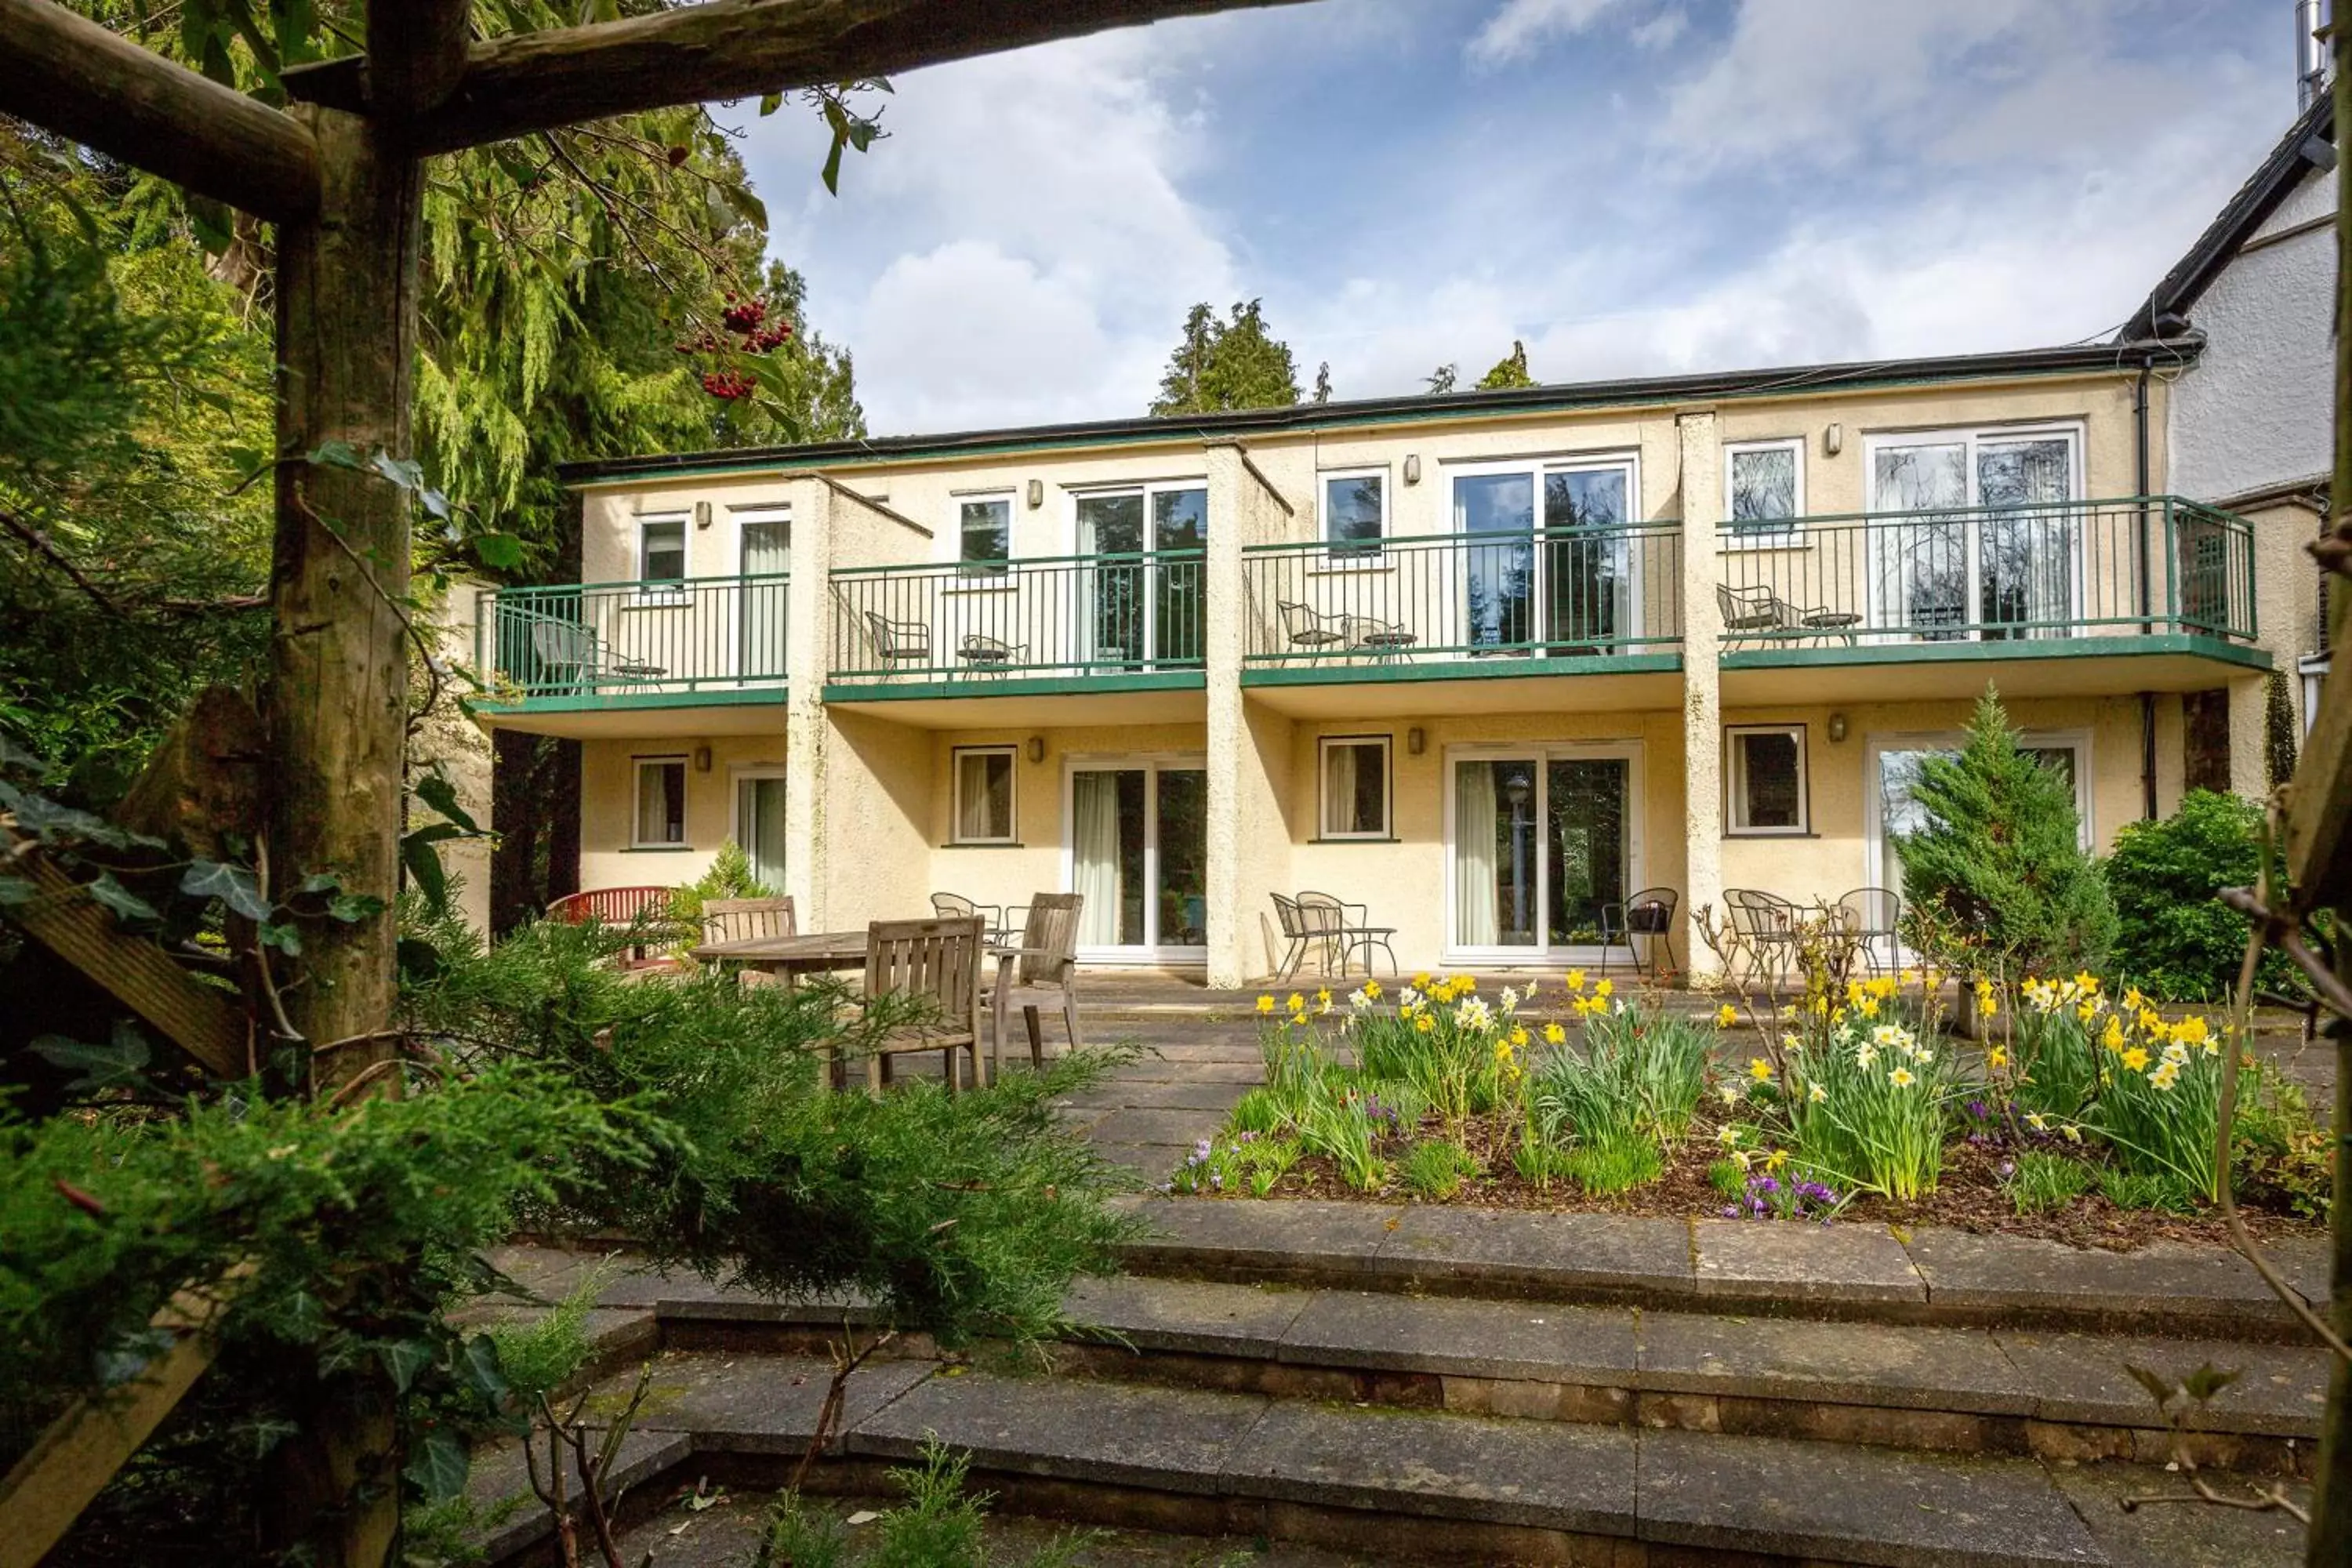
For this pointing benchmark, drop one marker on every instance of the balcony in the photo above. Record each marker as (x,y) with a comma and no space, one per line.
(557,658)
(2159,583)
(1057,626)
(1330,624)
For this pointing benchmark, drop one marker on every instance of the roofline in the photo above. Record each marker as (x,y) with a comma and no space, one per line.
(2075,359)
(2265,188)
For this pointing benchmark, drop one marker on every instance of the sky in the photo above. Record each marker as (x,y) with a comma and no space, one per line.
(1630,186)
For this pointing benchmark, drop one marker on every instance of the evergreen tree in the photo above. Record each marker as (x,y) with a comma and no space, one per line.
(1228,364)
(1323,383)
(2000,858)
(1511,371)
(1442,379)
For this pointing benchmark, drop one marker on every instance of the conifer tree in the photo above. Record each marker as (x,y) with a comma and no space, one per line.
(1228,364)
(1511,370)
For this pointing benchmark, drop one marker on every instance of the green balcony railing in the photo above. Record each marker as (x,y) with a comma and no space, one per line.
(1544,593)
(588,639)
(2047,571)
(1072,616)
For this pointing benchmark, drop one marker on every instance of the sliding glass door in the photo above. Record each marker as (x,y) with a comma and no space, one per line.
(1138,855)
(1973,534)
(1541,841)
(1556,580)
(1142,608)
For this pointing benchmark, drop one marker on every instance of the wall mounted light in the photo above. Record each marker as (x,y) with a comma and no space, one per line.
(1036,748)
(1415,741)
(702,758)
(1833,440)
(703,514)
(1036,494)
(1837,727)
(1413,467)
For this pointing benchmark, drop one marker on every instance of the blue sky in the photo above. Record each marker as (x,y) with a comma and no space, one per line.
(1631,186)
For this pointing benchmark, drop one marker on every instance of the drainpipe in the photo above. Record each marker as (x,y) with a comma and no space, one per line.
(2147,698)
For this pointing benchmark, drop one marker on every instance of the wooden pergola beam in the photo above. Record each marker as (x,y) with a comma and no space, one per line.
(524,83)
(417,55)
(73,77)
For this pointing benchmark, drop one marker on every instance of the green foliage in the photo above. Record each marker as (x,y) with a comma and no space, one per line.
(2280,1155)
(1242,1161)
(939,1525)
(2000,858)
(1257,1110)
(1228,364)
(2142,1190)
(1436,1168)
(1870,1105)
(1728,1177)
(1638,1079)
(1614,1165)
(2041,1182)
(2175,938)
(729,877)
(2282,729)
(1509,371)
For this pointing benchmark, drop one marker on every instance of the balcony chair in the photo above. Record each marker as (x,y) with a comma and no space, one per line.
(1350,927)
(1760,612)
(1763,926)
(1648,913)
(998,918)
(897,643)
(1042,970)
(1384,640)
(1306,629)
(1303,929)
(585,662)
(1874,917)
(935,964)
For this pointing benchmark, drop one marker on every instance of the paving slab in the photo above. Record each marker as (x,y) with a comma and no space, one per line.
(2174,1282)
(1851,1504)
(2176,1534)
(1176,1129)
(1891,1365)
(1463,1338)
(1145,1094)
(1795,1262)
(499,1485)
(1263,1234)
(1171,1440)
(754,1404)
(1187,1315)
(1599,1254)
(1149,1162)
(2281,1391)
(1545,1474)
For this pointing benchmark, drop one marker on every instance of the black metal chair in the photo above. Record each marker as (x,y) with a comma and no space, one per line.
(1351,927)
(1648,913)
(1307,629)
(899,643)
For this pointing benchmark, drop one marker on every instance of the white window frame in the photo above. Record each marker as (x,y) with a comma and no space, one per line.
(1386,831)
(1633,752)
(1734,776)
(1357,554)
(1875,624)
(1147,488)
(1736,538)
(738,775)
(637,767)
(1628,459)
(1874,810)
(1151,764)
(665,590)
(983,569)
(1011,755)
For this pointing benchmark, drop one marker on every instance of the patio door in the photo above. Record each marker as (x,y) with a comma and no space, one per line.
(1138,855)
(1561,583)
(759,825)
(1982,541)
(1141,609)
(766,547)
(1893,809)
(1540,841)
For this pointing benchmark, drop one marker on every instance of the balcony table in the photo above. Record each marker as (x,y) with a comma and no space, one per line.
(1834,623)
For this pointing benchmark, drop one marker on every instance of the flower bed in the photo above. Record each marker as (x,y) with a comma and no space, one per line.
(2078,1115)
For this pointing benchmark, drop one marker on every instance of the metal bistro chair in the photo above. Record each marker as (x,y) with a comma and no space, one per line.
(983,652)
(1875,917)
(1648,913)
(1001,922)
(1042,971)
(1306,629)
(584,662)
(1350,927)
(936,963)
(1385,640)
(1302,930)
(741,920)
(1764,924)
(897,643)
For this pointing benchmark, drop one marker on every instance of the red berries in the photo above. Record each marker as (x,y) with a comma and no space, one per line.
(729,384)
(747,320)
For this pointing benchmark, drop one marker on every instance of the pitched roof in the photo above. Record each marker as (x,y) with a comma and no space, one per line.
(2239,217)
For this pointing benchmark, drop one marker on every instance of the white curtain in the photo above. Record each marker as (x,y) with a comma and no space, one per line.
(1474,856)
(1339,789)
(759,809)
(983,796)
(1095,872)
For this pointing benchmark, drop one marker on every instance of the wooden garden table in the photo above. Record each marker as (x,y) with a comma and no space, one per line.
(816,952)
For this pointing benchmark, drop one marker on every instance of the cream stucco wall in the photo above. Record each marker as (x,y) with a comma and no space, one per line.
(608,799)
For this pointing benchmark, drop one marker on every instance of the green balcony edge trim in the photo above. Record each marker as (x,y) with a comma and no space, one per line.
(979,688)
(2218,649)
(608,702)
(1336,674)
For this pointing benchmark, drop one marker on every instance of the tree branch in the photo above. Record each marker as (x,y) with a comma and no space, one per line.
(539,81)
(80,80)
(40,544)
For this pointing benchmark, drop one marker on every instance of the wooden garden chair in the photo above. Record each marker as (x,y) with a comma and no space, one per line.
(741,920)
(935,964)
(1042,972)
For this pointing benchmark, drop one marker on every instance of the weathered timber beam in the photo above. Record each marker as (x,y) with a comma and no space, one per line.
(72,75)
(734,49)
(416,55)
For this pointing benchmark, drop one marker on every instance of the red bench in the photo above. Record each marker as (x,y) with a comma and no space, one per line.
(614,906)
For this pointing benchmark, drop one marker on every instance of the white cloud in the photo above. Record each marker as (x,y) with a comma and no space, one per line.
(1522,26)
(1660,30)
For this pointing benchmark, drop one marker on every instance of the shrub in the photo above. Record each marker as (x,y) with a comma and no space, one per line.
(2140,1190)
(2000,858)
(2175,938)
(2039,1181)
(1437,1167)
(729,877)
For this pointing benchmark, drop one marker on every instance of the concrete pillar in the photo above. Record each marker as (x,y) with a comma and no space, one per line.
(1249,748)
(2250,737)
(808,642)
(1702,512)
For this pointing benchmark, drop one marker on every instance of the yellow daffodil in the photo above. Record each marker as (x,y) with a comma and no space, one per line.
(1817,1094)
(1297,1003)
(1372,989)
(2191,1032)
(1725,1016)
(1576,979)
(1421,979)
(1732,1094)
(1519,1035)
(1997,1057)
(2136,1058)
(1759,1070)
(1323,995)
(1776,1159)
(1266,1004)
(2074,1133)
(1423,1024)
(1901,1078)
(1554,1034)
(2114,1036)
(1605,988)
(2038,1121)
(2166,1075)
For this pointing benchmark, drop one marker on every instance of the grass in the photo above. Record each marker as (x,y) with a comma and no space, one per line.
(1436,1168)
(1615,1166)
(2040,1182)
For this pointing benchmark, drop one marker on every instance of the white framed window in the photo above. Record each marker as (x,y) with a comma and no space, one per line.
(1355,786)
(659,821)
(1976,534)
(984,534)
(661,550)
(984,795)
(1550,561)
(1765,784)
(1355,512)
(1764,490)
(1540,841)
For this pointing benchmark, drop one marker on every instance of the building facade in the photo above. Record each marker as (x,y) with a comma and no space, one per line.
(1486,664)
